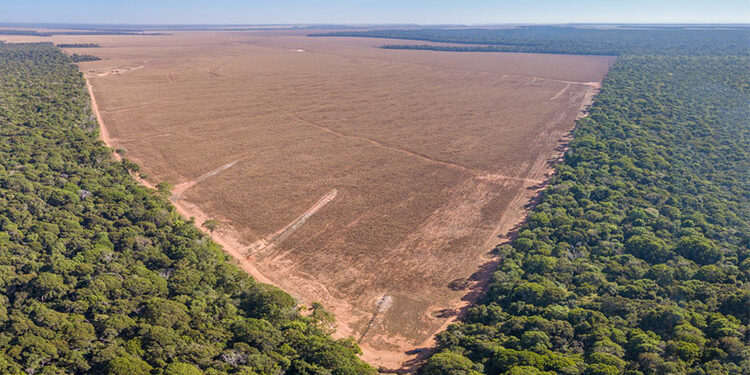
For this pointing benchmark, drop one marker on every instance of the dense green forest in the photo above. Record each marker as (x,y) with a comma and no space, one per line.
(635,259)
(99,275)
(571,40)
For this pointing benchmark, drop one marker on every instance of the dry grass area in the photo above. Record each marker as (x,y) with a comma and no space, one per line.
(365,179)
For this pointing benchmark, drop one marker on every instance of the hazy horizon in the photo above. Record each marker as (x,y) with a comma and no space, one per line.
(367,24)
(369,12)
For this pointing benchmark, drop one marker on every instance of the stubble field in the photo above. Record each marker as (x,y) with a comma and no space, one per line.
(373,181)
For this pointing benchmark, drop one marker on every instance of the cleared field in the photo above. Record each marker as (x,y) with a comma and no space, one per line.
(374,181)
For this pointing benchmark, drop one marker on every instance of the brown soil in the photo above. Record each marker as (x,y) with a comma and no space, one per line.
(227,239)
(361,178)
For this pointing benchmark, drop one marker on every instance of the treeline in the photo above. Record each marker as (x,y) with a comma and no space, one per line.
(24,32)
(571,40)
(486,48)
(79,45)
(99,275)
(85,57)
(636,260)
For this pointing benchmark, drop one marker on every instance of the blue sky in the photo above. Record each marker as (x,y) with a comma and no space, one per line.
(374,11)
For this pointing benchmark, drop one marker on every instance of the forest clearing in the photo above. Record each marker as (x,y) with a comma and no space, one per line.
(433,158)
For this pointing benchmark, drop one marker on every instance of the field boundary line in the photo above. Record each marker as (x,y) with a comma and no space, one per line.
(476,173)
(502,75)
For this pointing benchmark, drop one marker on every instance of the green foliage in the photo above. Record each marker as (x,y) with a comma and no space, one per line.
(211,225)
(635,260)
(572,40)
(449,363)
(99,275)
(128,365)
(179,368)
(81,58)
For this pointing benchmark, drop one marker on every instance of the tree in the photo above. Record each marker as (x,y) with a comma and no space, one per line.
(211,225)
(699,249)
(180,368)
(450,363)
(165,188)
(128,365)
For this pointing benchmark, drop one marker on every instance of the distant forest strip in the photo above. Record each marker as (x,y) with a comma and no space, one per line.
(79,45)
(635,260)
(81,58)
(571,40)
(99,275)
(493,48)
(83,32)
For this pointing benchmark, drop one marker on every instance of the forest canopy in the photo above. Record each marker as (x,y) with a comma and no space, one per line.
(571,40)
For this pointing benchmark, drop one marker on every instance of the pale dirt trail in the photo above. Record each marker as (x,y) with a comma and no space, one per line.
(102,129)
(284,233)
(559,93)
(181,188)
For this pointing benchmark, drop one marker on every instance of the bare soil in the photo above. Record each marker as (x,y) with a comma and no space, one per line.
(366,179)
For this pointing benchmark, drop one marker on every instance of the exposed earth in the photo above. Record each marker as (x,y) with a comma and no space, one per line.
(374,181)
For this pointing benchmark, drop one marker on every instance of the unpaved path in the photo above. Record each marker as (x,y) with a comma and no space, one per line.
(103,133)
(181,188)
(284,233)
(381,306)
(559,93)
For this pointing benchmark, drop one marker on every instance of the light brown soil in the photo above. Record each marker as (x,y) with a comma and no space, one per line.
(228,239)
(433,157)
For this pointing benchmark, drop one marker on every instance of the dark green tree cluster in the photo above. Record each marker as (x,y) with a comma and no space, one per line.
(99,275)
(81,58)
(575,40)
(635,260)
(79,45)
